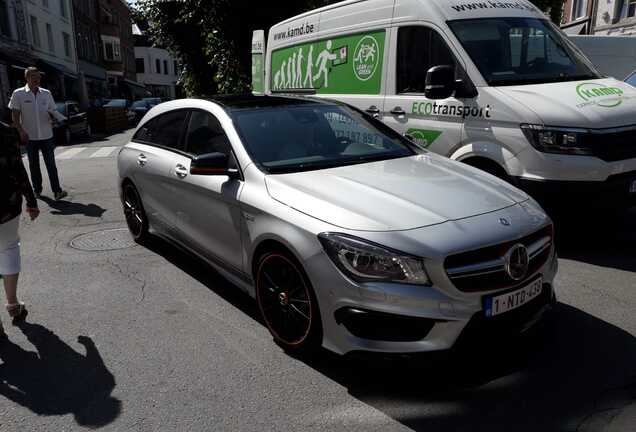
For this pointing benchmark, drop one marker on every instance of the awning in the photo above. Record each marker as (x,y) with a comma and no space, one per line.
(134,83)
(58,68)
(576,29)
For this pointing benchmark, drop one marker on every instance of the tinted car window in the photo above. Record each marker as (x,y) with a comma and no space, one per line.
(117,103)
(73,109)
(60,107)
(205,135)
(632,79)
(300,138)
(164,130)
(419,49)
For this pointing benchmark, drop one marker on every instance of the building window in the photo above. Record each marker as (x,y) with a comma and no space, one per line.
(174,64)
(49,36)
(165,67)
(67,44)
(45,3)
(631,8)
(35,31)
(4,19)
(139,65)
(111,48)
(579,9)
(158,66)
(63,10)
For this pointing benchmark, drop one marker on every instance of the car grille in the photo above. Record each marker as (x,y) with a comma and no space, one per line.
(613,144)
(484,269)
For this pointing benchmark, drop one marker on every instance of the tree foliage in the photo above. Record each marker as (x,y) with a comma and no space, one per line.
(212,38)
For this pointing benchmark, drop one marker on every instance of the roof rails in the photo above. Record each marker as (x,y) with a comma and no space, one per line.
(291,91)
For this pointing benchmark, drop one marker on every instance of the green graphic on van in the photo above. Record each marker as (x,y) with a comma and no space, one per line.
(424,137)
(340,65)
(599,95)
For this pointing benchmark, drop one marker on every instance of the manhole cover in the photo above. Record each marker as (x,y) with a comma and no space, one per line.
(103,240)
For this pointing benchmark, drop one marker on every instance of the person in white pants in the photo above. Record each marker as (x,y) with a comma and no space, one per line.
(14,184)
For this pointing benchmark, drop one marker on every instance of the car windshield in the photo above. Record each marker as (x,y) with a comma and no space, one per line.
(116,103)
(139,104)
(631,79)
(60,107)
(517,51)
(296,138)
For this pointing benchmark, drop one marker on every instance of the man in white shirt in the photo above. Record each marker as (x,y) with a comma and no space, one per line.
(30,109)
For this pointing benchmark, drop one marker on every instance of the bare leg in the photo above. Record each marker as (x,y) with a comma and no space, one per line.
(11,288)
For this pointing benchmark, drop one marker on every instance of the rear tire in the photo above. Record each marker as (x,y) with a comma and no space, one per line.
(135,214)
(287,302)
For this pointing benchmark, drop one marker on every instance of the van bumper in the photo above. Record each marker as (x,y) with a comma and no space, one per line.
(616,192)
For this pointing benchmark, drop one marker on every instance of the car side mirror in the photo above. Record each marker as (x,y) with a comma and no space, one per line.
(440,82)
(213,164)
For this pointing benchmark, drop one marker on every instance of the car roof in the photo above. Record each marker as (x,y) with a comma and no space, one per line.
(250,101)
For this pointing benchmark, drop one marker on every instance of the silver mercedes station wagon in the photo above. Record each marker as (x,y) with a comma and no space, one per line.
(348,235)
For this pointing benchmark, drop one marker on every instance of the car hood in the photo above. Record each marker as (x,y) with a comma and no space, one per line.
(397,194)
(602,103)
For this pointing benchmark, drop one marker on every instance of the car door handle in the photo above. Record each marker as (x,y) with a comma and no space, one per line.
(374,111)
(398,111)
(142,160)
(180,171)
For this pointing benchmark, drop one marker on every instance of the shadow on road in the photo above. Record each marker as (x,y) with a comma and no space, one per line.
(67,208)
(584,368)
(602,240)
(205,274)
(56,380)
(575,371)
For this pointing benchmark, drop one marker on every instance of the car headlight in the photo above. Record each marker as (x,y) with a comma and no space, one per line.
(364,261)
(557,140)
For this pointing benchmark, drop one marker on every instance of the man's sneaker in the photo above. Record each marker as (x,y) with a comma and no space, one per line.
(59,195)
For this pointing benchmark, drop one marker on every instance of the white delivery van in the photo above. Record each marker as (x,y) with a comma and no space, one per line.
(493,84)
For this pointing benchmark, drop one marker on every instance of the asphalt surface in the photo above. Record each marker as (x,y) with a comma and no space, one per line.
(151,339)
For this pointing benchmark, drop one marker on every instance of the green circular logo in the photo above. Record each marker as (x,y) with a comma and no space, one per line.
(611,96)
(366,58)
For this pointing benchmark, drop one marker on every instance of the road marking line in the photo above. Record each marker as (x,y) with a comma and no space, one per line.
(70,153)
(103,152)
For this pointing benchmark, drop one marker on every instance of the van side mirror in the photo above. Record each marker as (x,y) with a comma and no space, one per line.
(440,82)
(213,164)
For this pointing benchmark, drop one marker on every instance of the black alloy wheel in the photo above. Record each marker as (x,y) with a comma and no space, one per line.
(135,215)
(287,302)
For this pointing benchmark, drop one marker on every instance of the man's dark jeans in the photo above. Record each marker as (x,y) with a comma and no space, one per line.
(48,154)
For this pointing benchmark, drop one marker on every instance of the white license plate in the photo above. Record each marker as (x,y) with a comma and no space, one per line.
(512,300)
(632,187)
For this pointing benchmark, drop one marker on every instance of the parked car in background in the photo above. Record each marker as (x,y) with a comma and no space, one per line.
(153,100)
(122,103)
(76,123)
(631,79)
(140,108)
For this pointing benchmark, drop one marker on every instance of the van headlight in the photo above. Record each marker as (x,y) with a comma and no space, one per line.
(364,261)
(558,140)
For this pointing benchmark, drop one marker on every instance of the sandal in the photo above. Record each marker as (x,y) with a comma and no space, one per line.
(17,311)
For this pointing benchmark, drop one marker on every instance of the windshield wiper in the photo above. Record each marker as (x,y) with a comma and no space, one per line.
(311,166)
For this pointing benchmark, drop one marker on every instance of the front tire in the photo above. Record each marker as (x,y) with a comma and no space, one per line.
(135,214)
(287,302)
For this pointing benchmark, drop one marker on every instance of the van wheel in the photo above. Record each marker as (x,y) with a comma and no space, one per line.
(488,166)
(287,302)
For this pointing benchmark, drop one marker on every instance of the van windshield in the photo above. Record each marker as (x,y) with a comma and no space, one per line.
(517,51)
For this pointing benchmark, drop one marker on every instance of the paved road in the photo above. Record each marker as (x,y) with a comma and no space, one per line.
(151,339)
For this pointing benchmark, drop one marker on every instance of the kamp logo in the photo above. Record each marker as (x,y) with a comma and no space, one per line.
(366,58)
(599,95)
(423,137)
